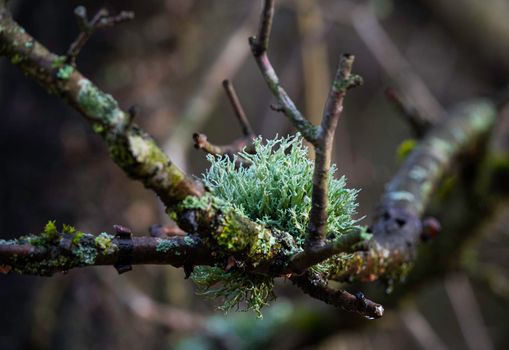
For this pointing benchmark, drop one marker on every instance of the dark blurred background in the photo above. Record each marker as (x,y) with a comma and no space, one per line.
(170,61)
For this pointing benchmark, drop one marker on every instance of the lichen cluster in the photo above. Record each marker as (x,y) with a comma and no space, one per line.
(275,188)
(271,187)
(82,250)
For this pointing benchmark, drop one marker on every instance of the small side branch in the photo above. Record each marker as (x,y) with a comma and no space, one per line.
(247,130)
(259,45)
(343,81)
(346,243)
(89,27)
(316,286)
(201,141)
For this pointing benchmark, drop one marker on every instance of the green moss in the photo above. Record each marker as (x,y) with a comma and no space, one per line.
(50,232)
(204,202)
(65,72)
(68,229)
(17,58)
(77,237)
(98,128)
(405,148)
(58,62)
(104,242)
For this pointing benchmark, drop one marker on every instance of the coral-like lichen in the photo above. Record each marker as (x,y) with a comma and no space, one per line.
(274,191)
(99,105)
(234,288)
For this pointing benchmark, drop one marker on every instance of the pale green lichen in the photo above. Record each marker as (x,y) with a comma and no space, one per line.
(8,242)
(99,105)
(65,72)
(165,245)
(234,288)
(274,191)
(86,254)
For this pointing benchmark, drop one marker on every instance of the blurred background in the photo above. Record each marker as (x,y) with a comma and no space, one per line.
(170,61)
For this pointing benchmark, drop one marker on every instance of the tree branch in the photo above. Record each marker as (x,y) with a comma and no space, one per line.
(88,28)
(45,255)
(247,130)
(397,226)
(201,142)
(343,81)
(314,285)
(130,147)
(346,243)
(259,45)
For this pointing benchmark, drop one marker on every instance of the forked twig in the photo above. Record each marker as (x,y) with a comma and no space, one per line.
(101,19)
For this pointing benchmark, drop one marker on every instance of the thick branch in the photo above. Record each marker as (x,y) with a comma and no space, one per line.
(130,147)
(40,255)
(397,226)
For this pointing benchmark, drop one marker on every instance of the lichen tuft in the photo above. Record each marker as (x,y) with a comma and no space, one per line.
(234,287)
(273,190)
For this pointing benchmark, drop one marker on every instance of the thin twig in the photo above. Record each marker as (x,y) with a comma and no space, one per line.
(314,285)
(199,107)
(259,45)
(201,142)
(247,130)
(242,143)
(88,28)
